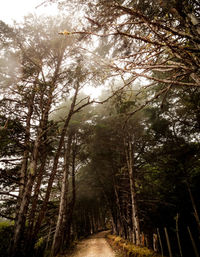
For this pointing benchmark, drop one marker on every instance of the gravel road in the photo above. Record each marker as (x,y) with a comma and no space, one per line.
(95,246)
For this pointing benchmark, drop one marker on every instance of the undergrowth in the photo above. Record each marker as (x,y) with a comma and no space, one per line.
(125,248)
(6,232)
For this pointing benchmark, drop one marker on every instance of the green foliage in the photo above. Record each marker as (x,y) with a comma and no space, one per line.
(164,138)
(39,243)
(11,132)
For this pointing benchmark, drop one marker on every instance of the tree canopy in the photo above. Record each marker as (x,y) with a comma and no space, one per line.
(73,164)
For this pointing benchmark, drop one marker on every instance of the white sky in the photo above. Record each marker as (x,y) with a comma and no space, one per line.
(16,9)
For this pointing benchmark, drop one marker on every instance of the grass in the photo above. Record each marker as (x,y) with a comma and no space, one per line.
(125,248)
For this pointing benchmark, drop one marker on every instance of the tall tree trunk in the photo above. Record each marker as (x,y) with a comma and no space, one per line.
(114,226)
(55,165)
(121,216)
(135,219)
(67,218)
(25,200)
(57,240)
(21,218)
(23,171)
(26,190)
(31,218)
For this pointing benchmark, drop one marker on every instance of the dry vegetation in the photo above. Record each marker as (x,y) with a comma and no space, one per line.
(125,248)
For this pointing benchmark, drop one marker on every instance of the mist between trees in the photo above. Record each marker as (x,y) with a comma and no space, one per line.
(128,161)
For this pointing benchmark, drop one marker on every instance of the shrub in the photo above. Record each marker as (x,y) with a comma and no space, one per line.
(6,233)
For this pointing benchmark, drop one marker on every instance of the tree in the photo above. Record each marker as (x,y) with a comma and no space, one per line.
(139,162)
(45,76)
(72,142)
(150,40)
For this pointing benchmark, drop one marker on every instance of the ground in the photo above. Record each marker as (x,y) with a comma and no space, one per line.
(94,246)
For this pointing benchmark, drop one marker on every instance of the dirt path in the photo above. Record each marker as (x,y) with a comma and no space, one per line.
(95,246)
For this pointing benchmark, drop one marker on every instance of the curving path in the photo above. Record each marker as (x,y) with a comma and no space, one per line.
(95,246)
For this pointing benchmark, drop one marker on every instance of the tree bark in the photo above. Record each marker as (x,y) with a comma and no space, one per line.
(67,218)
(21,217)
(57,240)
(32,214)
(55,165)
(23,172)
(25,200)
(135,219)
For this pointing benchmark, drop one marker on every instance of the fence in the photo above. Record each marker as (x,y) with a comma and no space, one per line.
(181,241)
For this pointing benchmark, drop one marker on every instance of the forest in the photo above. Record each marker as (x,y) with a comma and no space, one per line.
(126,159)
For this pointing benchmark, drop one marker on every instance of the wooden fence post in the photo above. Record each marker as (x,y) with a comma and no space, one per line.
(168,243)
(160,242)
(193,242)
(178,237)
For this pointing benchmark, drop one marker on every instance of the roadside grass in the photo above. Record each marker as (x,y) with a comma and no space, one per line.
(123,248)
